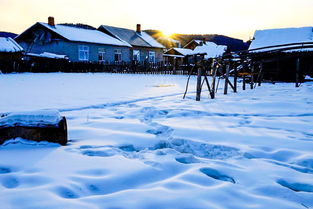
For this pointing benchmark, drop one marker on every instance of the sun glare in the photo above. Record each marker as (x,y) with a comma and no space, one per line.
(167,33)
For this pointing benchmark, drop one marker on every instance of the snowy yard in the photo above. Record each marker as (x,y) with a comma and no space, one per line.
(136,144)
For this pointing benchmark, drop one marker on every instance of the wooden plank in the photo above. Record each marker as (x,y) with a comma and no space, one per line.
(214,68)
(226,79)
(199,78)
(260,74)
(187,85)
(235,79)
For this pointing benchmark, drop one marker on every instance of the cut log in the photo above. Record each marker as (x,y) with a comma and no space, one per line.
(36,126)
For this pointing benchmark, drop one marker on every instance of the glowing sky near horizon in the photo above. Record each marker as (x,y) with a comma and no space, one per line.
(236,18)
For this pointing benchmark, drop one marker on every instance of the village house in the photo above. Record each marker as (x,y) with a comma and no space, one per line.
(285,54)
(78,44)
(10,54)
(193,44)
(184,55)
(144,47)
(177,55)
(9,49)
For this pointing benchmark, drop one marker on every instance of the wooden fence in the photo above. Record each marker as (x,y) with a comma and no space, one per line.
(46,66)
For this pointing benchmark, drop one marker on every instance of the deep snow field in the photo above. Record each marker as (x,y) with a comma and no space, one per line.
(135,143)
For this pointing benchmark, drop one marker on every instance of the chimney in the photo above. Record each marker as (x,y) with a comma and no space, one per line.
(138,30)
(51,21)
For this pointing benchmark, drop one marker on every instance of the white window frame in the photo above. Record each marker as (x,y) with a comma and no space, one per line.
(83,53)
(101,54)
(136,55)
(118,52)
(152,56)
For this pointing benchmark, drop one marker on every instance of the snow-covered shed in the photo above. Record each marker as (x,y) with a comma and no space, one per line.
(193,44)
(285,54)
(177,55)
(144,47)
(10,55)
(211,50)
(77,43)
(185,55)
(9,45)
(284,39)
(9,49)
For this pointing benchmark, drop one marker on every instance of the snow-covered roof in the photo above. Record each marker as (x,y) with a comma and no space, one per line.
(82,35)
(183,51)
(151,41)
(273,37)
(211,49)
(132,37)
(9,45)
(198,42)
(48,55)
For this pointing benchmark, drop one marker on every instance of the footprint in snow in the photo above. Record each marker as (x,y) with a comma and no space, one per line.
(98,153)
(5,170)
(93,172)
(66,193)
(295,186)
(215,174)
(187,160)
(10,182)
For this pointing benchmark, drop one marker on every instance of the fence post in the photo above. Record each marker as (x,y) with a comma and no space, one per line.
(226,79)
(297,73)
(199,76)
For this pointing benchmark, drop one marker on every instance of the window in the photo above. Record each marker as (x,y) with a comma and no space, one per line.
(83,53)
(101,55)
(117,55)
(151,56)
(136,55)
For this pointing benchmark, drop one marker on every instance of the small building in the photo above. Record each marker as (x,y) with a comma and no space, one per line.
(144,47)
(177,55)
(284,53)
(193,44)
(9,49)
(184,55)
(10,55)
(79,44)
(211,50)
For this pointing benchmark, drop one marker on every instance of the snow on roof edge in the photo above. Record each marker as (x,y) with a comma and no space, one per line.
(117,41)
(276,38)
(8,44)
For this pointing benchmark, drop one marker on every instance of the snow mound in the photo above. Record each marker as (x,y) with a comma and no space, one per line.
(29,119)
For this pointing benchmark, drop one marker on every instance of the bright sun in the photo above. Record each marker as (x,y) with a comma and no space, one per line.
(167,33)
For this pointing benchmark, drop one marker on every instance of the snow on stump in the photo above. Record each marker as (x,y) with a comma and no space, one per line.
(46,125)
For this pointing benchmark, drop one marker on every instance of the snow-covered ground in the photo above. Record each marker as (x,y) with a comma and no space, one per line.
(135,143)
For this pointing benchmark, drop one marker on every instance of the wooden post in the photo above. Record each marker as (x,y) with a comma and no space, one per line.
(252,77)
(214,68)
(235,78)
(174,66)
(226,79)
(199,76)
(260,74)
(244,82)
(297,73)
